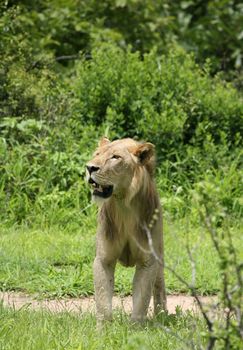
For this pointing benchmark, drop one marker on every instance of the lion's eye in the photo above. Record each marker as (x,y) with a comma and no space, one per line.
(115,156)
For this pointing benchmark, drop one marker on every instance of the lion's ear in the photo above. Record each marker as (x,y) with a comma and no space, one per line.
(144,152)
(104,141)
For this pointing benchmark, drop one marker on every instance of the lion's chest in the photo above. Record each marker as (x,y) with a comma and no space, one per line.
(123,236)
(131,239)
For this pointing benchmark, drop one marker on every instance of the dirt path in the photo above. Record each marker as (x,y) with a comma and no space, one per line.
(19,300)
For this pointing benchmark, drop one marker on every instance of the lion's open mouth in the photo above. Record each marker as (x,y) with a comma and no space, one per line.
(100,190)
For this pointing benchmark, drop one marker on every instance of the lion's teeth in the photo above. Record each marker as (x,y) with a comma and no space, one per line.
(97,187)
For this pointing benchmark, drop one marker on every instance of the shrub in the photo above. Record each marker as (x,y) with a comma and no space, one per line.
(167,99)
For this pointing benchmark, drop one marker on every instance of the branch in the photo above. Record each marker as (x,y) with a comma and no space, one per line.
(151,250)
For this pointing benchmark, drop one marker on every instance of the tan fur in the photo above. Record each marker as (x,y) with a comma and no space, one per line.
(124,221)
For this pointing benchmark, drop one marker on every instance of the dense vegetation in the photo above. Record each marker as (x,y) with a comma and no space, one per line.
(71,71)
(54,109)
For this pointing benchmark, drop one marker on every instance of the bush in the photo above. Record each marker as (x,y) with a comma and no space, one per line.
(167,99)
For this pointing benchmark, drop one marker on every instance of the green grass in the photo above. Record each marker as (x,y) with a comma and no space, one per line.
(24,329)
(56,262)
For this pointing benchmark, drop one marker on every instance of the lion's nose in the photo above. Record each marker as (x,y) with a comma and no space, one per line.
(92,168)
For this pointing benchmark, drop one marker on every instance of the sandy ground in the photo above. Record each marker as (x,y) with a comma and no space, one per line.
(81,305)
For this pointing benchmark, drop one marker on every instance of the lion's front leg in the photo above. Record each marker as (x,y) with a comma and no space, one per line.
(104,285)
(142,289)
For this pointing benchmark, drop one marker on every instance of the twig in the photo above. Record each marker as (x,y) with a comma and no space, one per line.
(67,57)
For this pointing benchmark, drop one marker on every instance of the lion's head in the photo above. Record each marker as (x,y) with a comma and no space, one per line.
(119,168)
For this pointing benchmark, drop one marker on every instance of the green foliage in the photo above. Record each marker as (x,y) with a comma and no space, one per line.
(193,120)
(167,99)
(211,29)
(64,28)
(53,112)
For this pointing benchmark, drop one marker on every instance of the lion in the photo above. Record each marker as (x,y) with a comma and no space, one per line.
(129,224)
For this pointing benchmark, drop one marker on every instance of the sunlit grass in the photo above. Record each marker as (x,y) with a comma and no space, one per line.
(56,262)
(26,329)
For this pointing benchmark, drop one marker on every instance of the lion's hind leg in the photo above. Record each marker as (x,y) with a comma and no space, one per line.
(159,292)
(142,290)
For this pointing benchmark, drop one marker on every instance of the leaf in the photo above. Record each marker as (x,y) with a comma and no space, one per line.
(9,122)
(121,3)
